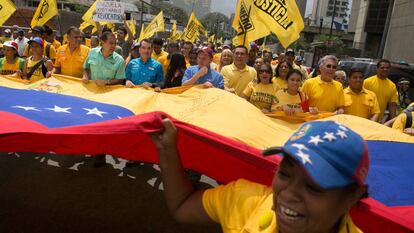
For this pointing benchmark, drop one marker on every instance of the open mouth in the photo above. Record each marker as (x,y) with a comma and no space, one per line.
(289,214)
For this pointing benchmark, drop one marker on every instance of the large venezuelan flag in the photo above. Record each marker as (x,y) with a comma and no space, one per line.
(220,135)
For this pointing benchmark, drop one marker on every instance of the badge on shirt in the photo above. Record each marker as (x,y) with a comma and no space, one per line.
(151,68)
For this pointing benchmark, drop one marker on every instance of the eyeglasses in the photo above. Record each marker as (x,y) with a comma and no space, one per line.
(265,71)
(331,66)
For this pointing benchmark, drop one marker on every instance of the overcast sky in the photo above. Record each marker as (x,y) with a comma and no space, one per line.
(228,6)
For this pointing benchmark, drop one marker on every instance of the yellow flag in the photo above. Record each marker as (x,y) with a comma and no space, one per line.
(132,27)
(220,40)
(256,19)
(156,25)
(141,34)
(193,29)
(84,25)
(46,10)
(88,16)
(211,38)
(7,8)
(173,31)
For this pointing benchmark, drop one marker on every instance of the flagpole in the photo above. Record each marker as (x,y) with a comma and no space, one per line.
(60,25)
(245,31)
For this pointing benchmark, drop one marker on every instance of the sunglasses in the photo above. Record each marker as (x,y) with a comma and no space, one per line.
(331,67)
(265,71)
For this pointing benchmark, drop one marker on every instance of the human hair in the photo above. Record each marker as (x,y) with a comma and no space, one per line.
(294,71)
(173,45)
(383,61)
(189,42)
(327,57)
(355,70)
(123,29)
(268,67)
(280,63)
(73,29)
(194,51)
(146,41)
(47,30)
(106,34)
(243,47)
(158,41)
(177,62)
(339,72)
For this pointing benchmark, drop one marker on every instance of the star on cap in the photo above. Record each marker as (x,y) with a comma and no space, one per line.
(315,140)
(305,157)
(329,136)
(59,109)
(299,146)
(26,108)
(341,134)
(94,111)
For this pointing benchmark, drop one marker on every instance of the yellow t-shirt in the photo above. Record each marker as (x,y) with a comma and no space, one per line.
(52,51)
(56,44)
(71,64)
(363,104)
(282,83)
(156,56)
(216,58)
(245,206)
(261,95)
(37,74)
(238,79)
(326,96)
(88,42)
(284,98)
(384,89)
(165,62)
(7,69)
(401,119)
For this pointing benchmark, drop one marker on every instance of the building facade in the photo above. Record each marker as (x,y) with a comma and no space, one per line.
(324,11)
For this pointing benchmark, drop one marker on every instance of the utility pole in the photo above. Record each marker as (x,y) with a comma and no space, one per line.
(332,22)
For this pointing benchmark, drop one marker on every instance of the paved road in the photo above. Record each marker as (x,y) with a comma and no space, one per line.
(65,193)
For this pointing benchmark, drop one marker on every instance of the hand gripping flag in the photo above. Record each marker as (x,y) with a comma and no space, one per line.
(7,8)
(255,19)
(50,115)
(45,11)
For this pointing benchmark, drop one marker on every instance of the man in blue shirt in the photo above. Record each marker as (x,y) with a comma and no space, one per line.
(201,73)
(144,70)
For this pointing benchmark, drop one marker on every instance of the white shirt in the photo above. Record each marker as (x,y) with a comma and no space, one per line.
(22,44)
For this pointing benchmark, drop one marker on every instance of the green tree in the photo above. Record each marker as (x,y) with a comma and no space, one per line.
(175,12)
(217,23)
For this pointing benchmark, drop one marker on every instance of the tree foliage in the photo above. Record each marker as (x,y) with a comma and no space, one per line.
(217,23)
(175,12)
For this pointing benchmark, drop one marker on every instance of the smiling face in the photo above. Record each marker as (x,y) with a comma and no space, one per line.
(302,206)
(328,69)
(293,82)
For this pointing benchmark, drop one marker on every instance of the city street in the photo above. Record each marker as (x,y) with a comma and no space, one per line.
(65,193)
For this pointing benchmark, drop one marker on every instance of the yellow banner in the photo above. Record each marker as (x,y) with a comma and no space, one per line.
(256,19)
(211,38)
(156,25)
(193,29)
(46,10)
(88,16)
(132,26)
(173,31)
(7,8)
(141,34)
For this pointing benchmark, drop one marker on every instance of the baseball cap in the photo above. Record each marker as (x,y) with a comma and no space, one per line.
(20,31)
(37,40)
(226,46)
(134,44)
(7,31)
(207,51)
(333,155)
(11,44)
(290,52)
(38,29)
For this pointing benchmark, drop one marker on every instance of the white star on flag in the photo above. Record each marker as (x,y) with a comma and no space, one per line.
(26,108)
(329,136)
(315,140)
(299,146)
(94,111)
(341,126)
(305,157)
(59,109)
(341,134)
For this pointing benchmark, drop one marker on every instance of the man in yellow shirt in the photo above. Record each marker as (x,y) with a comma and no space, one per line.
(404,121)
(157,50)
(48,50)
(384,88)
(71,56)
(358,100)
(172,47)
(49,36)
(324,164)
(325,94)
(238,75)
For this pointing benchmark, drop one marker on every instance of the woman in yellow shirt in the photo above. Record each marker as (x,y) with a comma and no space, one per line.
(262,93)
(291,100)
(226,58)
(37,66)
(11,63)
(281,73)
